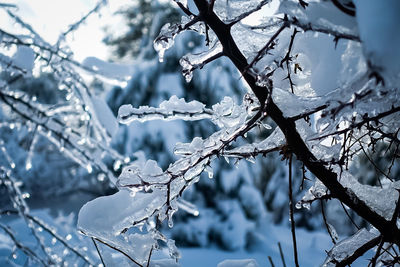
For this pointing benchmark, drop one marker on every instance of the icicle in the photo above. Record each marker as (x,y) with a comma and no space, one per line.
(28,164)
(236,164)
(89,168)
(173,250)
(208,169)
(226,159)
(165,39)
(251,159)
(170,214)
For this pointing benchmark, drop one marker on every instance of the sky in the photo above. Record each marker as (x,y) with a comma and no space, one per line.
(52,17)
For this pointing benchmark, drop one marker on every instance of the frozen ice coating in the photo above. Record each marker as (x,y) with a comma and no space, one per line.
(228,114)
(24,58)
(165,39)
(179,104)
(196,61)
(173,109)
(107,69)
(378,23)
(372,195)
(107,216)
(151,168)
(231,10)
(347,247)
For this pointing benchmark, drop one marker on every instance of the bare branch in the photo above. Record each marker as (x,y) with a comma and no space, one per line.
(291,214)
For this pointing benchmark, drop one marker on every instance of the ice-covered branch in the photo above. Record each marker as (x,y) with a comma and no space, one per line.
(365,119)
(308,26)
(350,249)
(247,13)
(64,136)
(172,109)
(294,139)
(75,26)
(18,201)
(52,232)
(26,250)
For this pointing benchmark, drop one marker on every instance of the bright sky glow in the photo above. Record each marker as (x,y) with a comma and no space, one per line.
(52,17)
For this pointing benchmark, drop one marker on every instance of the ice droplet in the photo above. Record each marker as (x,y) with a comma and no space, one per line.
(28,165)
(89,168)
(208,169)
(170,222)
(165,39)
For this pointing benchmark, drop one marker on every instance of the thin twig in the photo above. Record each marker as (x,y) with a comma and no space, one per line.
(291,211)
(271,262)
(287,58)
(348,215)
(377,254)
(148,260)
(328,228)
(98,252)
(119,250)
(26,250)
(265,49)
(282,256)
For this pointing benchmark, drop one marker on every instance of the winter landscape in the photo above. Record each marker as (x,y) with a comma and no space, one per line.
(199,133)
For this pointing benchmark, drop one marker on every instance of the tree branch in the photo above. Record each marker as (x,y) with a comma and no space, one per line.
(288,127)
